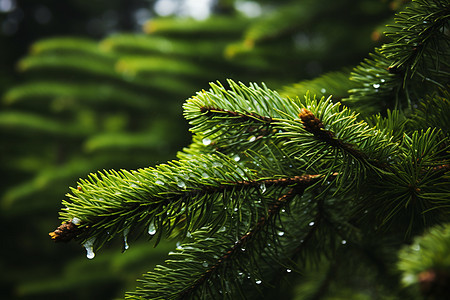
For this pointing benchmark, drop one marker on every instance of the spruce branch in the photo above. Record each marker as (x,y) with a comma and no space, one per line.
(259,241)
(400,73)
(107,202)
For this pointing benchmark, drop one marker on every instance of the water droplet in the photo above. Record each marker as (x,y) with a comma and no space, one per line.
(159,182)
(262,187)
(181,184)
(376,85)
(283,210)
(280,233)
(236,209)
(89,245)
(366,211)
(205,264)
(236,158)
(217,164)
(344,242)
(152,229)
(206,141)
(133,185)
(382,80)
(125,238)
(205,175)
(240,273)
(416,247)
(252,138)
(76,221)
(179,247)
(243,249)
(258,281)
(288,270)
(323,91)
(222,229)
(311,224)
(188,235)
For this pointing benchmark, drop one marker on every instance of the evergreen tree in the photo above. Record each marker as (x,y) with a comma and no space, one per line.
(84,105)
(277,194)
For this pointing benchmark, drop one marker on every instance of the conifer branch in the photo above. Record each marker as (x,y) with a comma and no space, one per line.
(236,249)
(316,127)
(210,111)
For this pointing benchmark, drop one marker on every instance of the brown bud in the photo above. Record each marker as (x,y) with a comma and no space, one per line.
(65,232)
(311,123)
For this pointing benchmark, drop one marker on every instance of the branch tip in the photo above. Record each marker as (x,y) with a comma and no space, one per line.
(65,232)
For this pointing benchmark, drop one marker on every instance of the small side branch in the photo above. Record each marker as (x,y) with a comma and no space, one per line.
(235,250)
(244,117)
(315,126)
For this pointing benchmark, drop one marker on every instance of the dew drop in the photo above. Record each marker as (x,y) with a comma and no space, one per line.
(311,224)
(159,182)
(205,175)
(382,80)
(236,158)
(252,138)
(235,209)
(344,242)
(181,184)
(179,247)
(262,187)
(222,229)
(205,264)
(151,229)
(188,235)
(280,233)
(376,85)
(76,221)
(89,246)
(288,270)
(217,164)
(323,91)
(206,141)
(258,281)
(283,210)
(243,249)
(416,247)
(125,238)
